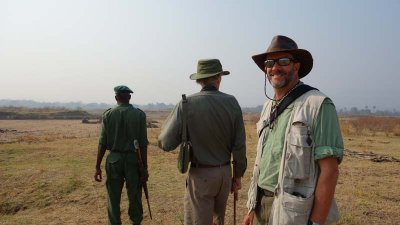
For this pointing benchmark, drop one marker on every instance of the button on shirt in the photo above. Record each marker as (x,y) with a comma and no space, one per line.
(215,128)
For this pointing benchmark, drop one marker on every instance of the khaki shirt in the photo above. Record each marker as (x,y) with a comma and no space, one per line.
(215,128)
(121,126)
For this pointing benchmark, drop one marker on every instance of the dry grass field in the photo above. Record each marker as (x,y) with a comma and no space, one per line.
(47,167)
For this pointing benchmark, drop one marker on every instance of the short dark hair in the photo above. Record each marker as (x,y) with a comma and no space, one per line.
(123,96)
(208,80)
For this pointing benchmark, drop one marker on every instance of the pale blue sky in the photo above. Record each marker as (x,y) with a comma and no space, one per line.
(78,50)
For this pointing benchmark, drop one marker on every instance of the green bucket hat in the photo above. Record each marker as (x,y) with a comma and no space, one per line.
(122,89)
(208,68)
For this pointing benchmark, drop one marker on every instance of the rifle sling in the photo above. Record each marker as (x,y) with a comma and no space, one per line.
(291,97)
(184,118)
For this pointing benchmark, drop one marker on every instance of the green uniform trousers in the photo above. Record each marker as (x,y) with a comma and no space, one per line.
(120,168)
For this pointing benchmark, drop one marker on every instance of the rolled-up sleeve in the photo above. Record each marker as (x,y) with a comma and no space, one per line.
(171,132)
(327,134)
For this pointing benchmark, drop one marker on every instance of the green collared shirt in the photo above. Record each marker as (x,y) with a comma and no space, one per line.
(327,137)
(121,126)
(215,128)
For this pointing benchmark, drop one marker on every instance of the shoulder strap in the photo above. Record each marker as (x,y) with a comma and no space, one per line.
(291,97)
(184,118)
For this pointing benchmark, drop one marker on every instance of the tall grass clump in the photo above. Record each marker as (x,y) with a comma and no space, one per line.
(370,125)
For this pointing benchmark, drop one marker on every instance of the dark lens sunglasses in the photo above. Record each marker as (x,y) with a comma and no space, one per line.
(269,63)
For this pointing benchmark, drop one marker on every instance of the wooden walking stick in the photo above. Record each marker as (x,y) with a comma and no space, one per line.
(142,170)
(235,192)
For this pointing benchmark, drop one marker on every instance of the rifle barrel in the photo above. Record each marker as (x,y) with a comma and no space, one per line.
(146,191)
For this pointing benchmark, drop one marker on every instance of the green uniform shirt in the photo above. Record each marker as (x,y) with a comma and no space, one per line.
(121,126)
(215,128)
(327,137)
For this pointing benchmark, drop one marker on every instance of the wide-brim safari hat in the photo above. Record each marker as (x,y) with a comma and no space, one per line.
(208,68)
(282,43)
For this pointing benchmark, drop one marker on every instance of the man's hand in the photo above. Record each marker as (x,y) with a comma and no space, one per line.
(97,175)
(248,219)
(101,150)
(236,184)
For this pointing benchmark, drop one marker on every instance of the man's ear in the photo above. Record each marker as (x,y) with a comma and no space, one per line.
(297,66)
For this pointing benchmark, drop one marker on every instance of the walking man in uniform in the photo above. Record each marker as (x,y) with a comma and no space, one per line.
(120,127)
(299,148)
(216,130)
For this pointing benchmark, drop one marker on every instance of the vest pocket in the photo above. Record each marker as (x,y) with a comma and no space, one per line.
(298,154)
(295,210)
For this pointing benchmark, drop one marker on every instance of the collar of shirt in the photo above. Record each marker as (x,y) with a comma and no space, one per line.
(209,88)
(124,104)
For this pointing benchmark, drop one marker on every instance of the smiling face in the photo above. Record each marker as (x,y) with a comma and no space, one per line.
(282,77)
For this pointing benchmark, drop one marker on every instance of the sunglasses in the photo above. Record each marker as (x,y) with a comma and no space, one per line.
(269,63)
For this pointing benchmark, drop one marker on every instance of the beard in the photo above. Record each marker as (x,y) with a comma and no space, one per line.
(287,77)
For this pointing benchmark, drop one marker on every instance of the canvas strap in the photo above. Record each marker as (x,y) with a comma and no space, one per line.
(184,118)
(286,101)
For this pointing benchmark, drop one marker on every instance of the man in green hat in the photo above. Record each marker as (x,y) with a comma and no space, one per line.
(300,145)
(216,130)
(121,126)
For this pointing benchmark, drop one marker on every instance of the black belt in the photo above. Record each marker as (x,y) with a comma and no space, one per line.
(199,165)
(265,193)
(129,151)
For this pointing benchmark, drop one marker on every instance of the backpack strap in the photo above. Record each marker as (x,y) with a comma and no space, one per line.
(291,97)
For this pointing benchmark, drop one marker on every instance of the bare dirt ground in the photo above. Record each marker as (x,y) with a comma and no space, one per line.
(47,167)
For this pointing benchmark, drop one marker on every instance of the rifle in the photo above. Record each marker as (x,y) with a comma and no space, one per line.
(142,172)
(235,192)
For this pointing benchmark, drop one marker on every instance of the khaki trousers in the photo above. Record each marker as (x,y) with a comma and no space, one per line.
(207,191)
(263,210)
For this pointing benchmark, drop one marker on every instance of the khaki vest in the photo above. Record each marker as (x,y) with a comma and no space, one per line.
(298,174)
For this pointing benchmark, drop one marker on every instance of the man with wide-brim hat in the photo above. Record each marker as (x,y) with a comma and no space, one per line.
(284,44)
(300,123)
(216,131)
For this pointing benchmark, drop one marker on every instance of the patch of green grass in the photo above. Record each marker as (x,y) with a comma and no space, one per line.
(72,184)
(10,208)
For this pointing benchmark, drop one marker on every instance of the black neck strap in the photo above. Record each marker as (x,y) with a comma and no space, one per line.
(293,95)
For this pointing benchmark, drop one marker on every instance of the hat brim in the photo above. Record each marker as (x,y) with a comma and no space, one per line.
(197,76)
(302,55)
(124,92)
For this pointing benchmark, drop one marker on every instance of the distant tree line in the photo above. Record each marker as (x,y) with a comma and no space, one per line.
(76,105)
(352,111)
(44,106)
(18,113)
(367,111)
